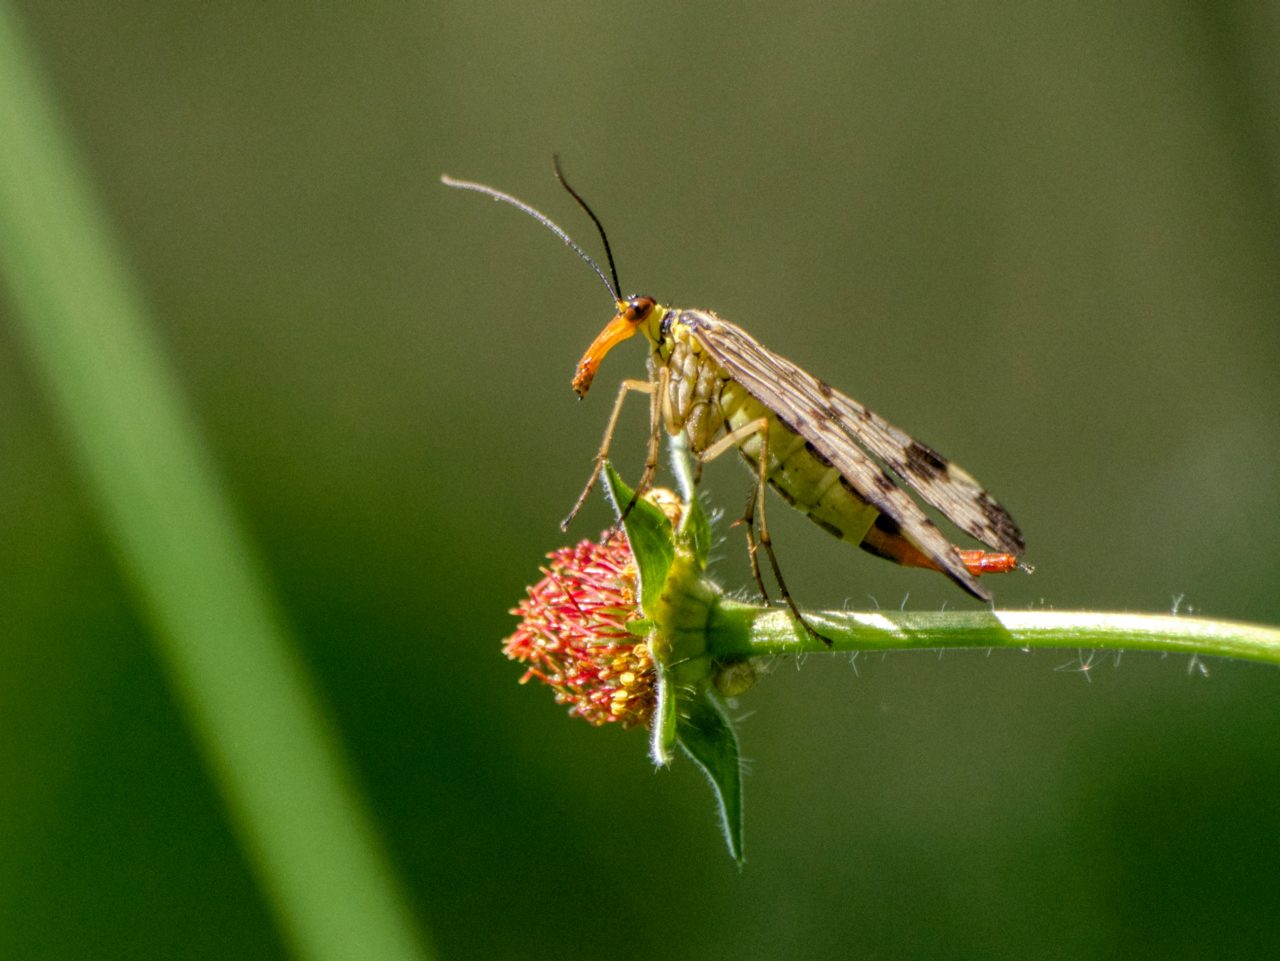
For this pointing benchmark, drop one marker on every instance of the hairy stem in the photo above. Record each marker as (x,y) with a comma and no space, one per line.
(744,630)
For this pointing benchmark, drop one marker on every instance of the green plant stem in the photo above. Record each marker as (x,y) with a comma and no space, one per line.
(280,768)
(747,630)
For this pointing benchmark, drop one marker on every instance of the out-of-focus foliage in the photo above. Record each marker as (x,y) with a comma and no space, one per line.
(1041,239)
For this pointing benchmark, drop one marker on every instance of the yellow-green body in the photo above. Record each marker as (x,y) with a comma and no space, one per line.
(828,455)
(703,400)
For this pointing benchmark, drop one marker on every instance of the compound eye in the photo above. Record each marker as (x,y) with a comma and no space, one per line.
(638,308)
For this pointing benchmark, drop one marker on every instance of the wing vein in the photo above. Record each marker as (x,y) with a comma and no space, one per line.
(837,424)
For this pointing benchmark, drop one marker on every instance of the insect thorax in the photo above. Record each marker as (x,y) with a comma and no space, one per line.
(705,398)
(694,386)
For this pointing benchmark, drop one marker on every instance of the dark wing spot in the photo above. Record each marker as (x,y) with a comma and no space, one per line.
(879,478)
(1004,526)
(887,524)
(884,481)
(925,462)
(825,388)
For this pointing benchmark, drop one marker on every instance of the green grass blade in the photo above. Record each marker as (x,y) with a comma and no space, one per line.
(280,768)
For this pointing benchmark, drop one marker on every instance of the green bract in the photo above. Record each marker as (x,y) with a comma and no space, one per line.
(678,603)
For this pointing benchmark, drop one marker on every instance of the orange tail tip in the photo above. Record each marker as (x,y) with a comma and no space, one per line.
(986,562)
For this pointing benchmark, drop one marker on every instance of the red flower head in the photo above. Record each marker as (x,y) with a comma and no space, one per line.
(573,630)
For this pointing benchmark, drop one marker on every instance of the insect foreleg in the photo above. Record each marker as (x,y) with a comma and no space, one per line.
(658,399)
(734,439)
(644,387)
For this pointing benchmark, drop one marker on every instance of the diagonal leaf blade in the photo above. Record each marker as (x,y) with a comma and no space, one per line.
(649,534)
(706,736)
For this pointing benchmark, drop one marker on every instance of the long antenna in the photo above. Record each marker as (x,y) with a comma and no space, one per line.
(617,287)
(544,220)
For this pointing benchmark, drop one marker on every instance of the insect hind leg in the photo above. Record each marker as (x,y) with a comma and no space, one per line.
(747,520)
(733,439)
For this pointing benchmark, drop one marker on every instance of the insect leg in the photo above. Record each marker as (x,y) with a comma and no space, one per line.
(733,439)
(748,521)
(645,387)
(659,411)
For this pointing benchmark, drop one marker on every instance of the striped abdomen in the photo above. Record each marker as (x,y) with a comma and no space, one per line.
(797,471)
(703,400)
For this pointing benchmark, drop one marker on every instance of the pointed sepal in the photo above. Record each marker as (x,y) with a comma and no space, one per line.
(706,736)
(694,533)
(648,532)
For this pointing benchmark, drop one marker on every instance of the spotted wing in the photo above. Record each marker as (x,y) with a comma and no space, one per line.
(947,486)
(832,422)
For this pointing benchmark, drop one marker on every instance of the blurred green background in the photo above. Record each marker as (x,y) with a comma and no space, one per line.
(1045,240)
